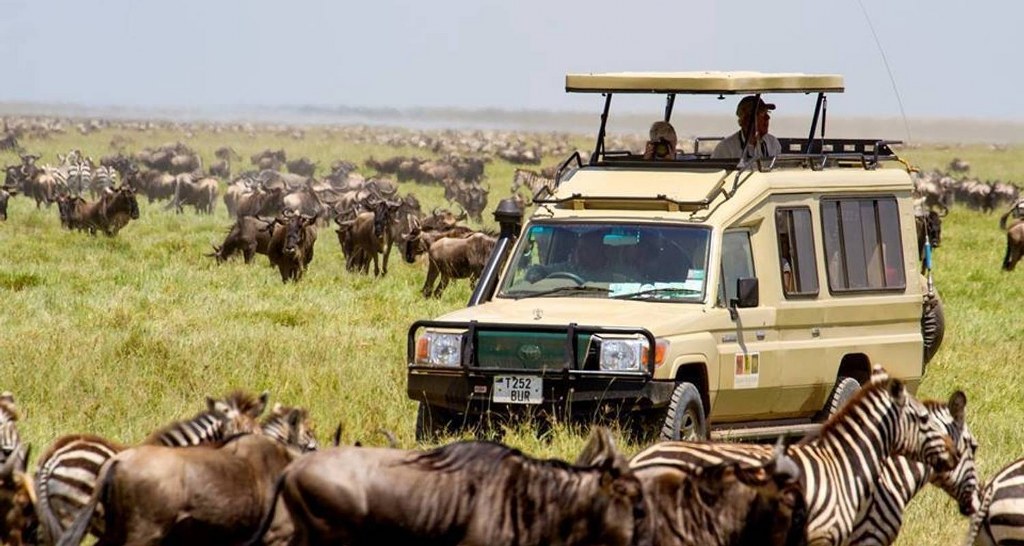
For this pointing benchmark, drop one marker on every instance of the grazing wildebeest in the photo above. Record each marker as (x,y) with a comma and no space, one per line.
(69,470)
(249,235)
(203,495)
(291,245)
(417,241)
(5,195)
(450,258)
(468,493)
(1014,245)
(17,499)
(109,213)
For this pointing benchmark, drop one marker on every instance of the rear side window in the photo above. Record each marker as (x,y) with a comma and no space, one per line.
(797,262)
(863,249)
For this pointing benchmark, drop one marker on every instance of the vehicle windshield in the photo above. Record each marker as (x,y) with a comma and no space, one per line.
(606,260)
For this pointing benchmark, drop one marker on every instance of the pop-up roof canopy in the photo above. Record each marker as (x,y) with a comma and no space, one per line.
(717,83)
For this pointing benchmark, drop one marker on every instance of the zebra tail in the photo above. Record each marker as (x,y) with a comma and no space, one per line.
(74,535)
(979,517)
(268,516)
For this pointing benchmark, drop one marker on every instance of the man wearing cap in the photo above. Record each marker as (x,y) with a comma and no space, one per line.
(752,140)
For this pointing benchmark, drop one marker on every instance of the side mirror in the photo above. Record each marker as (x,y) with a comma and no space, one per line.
(747,295)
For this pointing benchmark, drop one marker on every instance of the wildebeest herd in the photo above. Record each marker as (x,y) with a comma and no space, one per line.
(226,477)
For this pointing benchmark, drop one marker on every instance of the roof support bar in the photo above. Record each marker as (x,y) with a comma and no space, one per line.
(670,101)
(599,147)
(818,111)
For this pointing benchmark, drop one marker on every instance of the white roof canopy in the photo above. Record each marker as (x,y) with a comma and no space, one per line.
(718,83)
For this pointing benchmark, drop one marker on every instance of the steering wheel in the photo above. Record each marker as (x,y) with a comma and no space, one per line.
(567,275)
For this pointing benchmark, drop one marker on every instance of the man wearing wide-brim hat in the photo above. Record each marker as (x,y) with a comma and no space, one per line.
(753,139)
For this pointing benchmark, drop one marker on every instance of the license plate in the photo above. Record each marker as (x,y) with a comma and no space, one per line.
(518,389)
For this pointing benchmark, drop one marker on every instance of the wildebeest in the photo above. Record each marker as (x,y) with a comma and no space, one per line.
(366,236)
(728,504)
(291,245)
(202,495)
(302,166)
(470,493)
(450,258)
(5,195)
(69,470)
(108,214)
(17,499)
(249,235)
(929,225)
(198,191)
(1014,245)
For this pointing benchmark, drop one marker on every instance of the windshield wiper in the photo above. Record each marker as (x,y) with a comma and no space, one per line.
(656,291)
(560,290)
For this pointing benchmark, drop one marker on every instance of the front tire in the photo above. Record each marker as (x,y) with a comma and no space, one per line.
(433,422)
(685,419)
(844,390)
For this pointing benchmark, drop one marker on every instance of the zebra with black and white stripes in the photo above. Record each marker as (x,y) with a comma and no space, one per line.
(1000,520)
(68,470)
(9,437)
(284,421)
(842,464)
(902,479)
(103,177)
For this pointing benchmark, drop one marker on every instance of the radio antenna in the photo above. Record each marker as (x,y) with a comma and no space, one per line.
(892,80)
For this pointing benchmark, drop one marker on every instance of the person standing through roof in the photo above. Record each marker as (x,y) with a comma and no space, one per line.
(752,124)
(662,143)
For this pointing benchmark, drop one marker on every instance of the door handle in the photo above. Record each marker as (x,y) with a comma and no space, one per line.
(815,332)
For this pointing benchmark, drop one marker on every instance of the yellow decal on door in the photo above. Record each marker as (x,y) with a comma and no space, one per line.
(747,370)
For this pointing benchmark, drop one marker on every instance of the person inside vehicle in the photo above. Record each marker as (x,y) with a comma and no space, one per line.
(662,143)
(753,140)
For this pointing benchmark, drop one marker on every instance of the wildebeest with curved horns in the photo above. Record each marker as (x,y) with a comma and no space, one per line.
(202,495)
(291,245)
(469,493)
(249,235)
(109,213)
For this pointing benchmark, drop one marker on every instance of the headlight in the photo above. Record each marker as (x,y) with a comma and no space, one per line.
(439,349)
(628,354)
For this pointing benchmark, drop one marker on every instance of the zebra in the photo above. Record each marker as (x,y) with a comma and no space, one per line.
(902,479)
(284,421)
(843,462)
(1000,520)
(533,181)
(103,178)
(9,437)
(68,470)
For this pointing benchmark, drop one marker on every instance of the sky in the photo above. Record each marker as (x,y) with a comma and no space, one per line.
(948,58)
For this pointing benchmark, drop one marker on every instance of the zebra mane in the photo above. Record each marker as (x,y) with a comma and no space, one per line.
(204,427)
(892,388)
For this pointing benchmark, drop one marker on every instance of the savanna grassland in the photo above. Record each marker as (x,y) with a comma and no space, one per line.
(118,336)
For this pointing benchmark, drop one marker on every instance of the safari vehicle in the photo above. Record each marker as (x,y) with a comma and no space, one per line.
(692,297)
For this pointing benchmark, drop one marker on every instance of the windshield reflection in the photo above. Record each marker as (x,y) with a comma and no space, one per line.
(604,260)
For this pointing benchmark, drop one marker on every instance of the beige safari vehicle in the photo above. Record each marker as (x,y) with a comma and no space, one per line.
(690,297)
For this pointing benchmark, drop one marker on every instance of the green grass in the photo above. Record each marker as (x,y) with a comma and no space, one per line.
(117,336)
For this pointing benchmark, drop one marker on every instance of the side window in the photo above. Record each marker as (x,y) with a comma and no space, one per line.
(797,262)
(863,249)
(737,261)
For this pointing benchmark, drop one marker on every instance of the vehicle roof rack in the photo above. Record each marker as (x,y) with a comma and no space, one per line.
(703,83)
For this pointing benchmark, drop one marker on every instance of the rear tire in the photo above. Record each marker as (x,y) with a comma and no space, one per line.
(844,390)
(933,327)
(685,418)
(433,422)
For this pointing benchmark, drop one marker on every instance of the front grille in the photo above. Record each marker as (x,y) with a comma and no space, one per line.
(527,350)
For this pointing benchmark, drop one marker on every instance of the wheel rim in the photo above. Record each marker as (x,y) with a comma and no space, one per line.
(688,426)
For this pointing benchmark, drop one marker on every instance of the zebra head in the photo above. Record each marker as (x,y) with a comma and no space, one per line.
(919,434)
(239,411)
(961,482)
(290,426)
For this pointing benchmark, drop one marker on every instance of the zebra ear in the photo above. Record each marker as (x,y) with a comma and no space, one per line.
(264,397)
(958,407)
(7,396)
(211,404)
